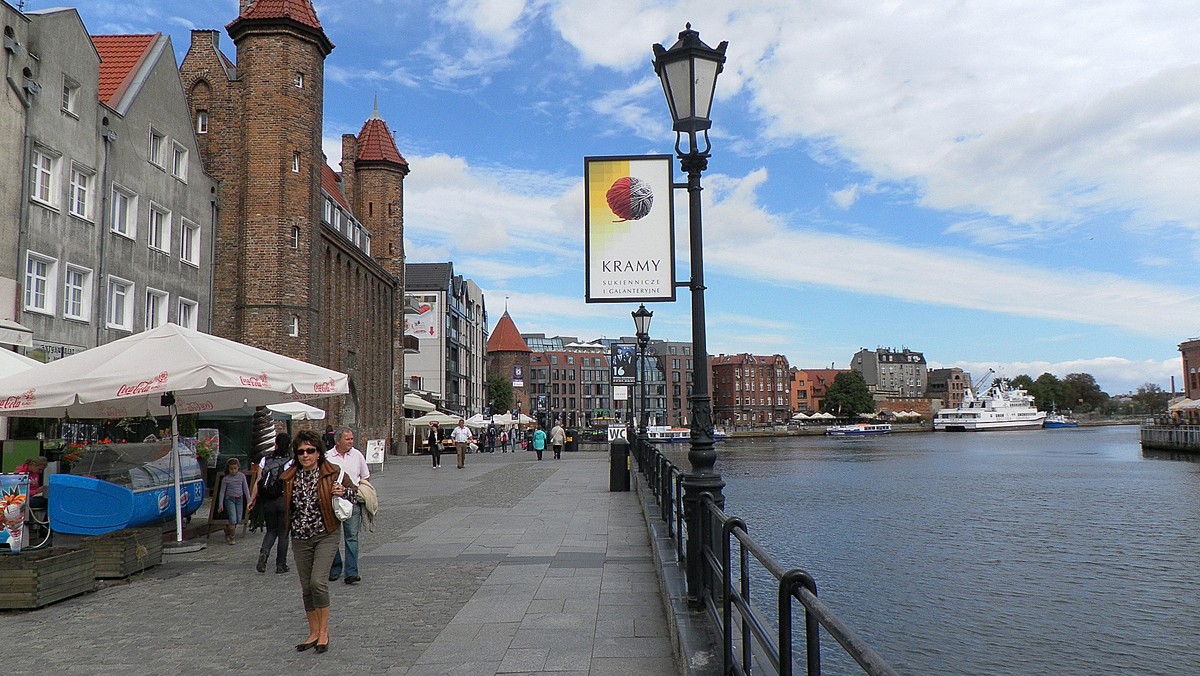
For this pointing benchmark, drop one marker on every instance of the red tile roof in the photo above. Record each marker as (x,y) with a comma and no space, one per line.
(300,11)
(375,143)
(331,184)
(120,57)
(506,338)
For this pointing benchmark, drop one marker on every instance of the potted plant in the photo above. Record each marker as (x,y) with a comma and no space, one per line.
(206,451)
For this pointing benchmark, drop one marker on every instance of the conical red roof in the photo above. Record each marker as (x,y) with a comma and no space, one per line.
(506,338)
(375,143)
(300,11)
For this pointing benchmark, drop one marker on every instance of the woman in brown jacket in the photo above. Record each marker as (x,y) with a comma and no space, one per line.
(308,490)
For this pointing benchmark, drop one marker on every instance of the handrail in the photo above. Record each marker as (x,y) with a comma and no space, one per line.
(726,602)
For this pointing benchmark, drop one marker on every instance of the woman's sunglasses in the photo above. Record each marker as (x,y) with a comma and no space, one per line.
(306,450)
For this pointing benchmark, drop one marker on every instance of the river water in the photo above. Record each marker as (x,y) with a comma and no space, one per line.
(1040,552)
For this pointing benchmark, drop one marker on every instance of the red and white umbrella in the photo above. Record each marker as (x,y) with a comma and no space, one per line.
(133,376)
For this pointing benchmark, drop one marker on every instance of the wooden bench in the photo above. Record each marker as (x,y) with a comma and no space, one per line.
(37,578)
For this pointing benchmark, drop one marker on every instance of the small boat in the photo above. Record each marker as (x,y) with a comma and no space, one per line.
(662,434)
(858,430)
(1056,421)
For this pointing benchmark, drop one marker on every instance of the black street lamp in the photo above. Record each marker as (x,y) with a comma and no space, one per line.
(641,322)
(688,71)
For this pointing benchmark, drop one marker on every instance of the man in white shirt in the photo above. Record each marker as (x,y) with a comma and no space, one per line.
(462,438)
(354,463)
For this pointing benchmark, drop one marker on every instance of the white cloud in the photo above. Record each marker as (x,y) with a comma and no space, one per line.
(1114,375)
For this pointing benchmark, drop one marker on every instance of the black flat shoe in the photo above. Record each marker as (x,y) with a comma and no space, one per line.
(301,647)
(322,647)
(353,579)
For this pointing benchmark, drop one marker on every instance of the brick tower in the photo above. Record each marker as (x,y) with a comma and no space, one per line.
(293,263)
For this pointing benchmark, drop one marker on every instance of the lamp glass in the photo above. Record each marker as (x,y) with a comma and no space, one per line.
(641,320)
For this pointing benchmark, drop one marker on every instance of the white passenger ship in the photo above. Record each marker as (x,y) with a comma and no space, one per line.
(1000,408)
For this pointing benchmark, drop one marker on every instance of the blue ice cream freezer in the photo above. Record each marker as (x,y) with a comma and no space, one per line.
(115,486)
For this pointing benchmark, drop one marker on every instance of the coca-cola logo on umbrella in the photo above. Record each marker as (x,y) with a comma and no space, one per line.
(27,398)
(259,380)
(159,382)
(325,386)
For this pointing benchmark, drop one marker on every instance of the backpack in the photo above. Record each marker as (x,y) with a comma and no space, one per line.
(269,485)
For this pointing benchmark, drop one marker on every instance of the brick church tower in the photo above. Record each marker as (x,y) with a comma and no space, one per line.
(294,265)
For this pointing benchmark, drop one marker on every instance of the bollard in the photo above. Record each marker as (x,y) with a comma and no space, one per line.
(618,466)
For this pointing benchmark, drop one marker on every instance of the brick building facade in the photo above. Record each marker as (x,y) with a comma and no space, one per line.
(751,389)
(295,268)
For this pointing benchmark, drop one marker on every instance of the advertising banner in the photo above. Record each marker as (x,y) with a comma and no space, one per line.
(624,363)
(14,496)
(629,229)
(518,379)
(424,324)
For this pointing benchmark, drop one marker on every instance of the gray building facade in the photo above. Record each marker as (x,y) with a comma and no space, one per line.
(892,373)
(116,212)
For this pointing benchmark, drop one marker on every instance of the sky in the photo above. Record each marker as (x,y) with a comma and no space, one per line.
(1008,185)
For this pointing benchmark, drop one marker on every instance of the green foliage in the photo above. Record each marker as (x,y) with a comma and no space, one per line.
(1151,398)
(848,396)
(1082,394)
(500,393)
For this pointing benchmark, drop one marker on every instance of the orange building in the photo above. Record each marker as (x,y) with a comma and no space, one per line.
(808,387)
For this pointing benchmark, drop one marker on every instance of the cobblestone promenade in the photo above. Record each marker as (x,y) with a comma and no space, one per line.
(510,566)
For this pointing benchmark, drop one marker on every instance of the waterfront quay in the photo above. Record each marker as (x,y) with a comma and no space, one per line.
(509,566)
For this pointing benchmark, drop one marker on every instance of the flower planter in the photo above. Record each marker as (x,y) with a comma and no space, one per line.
(33,579)
(125,552)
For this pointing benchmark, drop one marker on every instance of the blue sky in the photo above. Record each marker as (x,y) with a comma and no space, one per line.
(1006,185)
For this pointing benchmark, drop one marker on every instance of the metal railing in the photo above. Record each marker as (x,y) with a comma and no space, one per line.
(728,604)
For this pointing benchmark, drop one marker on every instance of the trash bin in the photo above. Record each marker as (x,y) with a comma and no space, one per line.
(618,466)
(572,441)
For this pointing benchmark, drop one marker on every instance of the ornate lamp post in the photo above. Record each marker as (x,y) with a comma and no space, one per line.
(688,71)
(641,322)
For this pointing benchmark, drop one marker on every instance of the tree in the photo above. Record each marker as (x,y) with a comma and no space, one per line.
(1151,398)
(1048,392)
(500,393)
(1082,393)
(1023,382)
(848,396)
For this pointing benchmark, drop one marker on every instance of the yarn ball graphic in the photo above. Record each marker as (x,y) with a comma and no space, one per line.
(630,198)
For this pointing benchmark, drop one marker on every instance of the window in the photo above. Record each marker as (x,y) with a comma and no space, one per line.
(79,197)
(188,312)
(157,143)
(201,121)
(156,308)
(179,161)
(120,307)
(296,162)
(77,293)
(299,81)
(329,211)
(294,238)
(124,206)
(160,229)
(40,272)
(70,96)
(189,243)
(42,179)
(294,326)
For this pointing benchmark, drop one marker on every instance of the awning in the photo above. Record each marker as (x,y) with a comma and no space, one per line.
(416,403)
(13,333)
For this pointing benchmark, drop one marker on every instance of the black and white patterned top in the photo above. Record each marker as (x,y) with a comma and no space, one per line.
(306,505)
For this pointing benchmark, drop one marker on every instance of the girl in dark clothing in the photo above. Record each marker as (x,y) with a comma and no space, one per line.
(435,444)
(270,470)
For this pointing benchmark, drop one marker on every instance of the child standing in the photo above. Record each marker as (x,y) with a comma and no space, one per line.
(234,492)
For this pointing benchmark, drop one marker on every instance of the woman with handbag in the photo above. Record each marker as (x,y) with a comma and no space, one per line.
(310,487)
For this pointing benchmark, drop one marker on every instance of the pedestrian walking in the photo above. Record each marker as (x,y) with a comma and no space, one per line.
(267,496)
(490,438)
(434,442)
(504,441)
(558,437)
(232,497)
(539,441)
(462,438)
(328,439)
(309,487)
(354,463)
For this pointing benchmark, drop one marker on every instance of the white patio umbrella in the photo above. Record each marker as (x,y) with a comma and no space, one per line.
(412,401)
(442,419)
(11,362)
(477,420)
(296,410)
(165,371)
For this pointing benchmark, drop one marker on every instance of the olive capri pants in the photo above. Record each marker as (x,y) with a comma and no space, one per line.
(313,557)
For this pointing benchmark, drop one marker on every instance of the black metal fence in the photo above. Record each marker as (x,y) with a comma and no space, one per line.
(750,643)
